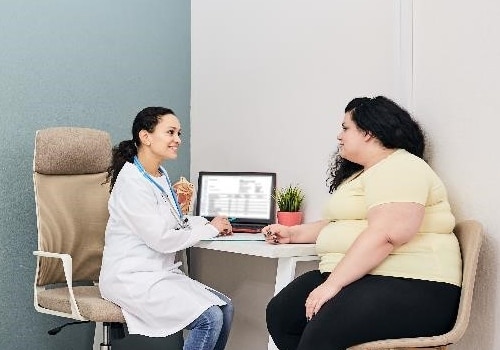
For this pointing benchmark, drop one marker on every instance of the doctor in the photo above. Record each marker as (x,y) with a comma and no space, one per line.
(145,230)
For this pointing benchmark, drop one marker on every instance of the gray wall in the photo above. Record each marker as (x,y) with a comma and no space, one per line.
(75,63)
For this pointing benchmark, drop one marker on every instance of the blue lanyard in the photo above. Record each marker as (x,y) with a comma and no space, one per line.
(139,166)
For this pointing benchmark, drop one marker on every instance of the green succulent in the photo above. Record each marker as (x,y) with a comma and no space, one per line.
(289,198)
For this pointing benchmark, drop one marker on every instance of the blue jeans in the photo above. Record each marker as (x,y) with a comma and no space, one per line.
(211,329)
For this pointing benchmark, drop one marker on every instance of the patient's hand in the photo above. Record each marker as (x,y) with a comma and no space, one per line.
(277,234)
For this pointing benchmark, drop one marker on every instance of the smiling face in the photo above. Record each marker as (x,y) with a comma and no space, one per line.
(352,140)
(163,143)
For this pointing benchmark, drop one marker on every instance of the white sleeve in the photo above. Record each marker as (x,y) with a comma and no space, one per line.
(139,207)
(197,220)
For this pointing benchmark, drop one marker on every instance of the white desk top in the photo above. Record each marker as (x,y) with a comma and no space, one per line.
(260,248)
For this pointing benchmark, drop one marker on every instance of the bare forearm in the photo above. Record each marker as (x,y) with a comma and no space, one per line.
(389,226)
(366,253)
(307,233)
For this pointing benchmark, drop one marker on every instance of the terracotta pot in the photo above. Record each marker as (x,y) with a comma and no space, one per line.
(289,218)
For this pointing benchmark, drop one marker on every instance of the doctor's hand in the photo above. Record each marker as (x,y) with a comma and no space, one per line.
(277,234)
(222,224)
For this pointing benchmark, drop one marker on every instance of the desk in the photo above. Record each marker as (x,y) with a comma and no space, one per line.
(287,254)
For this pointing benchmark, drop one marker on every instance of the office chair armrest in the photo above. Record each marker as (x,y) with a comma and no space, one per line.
(68,274)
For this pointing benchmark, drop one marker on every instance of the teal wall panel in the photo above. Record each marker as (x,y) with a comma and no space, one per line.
(75,63)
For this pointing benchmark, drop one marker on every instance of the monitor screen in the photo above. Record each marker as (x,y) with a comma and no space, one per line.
(244,196)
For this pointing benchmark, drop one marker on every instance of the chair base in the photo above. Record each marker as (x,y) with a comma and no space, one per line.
(104,333)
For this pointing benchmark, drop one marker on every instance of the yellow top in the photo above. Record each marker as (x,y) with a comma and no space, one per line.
(433,254)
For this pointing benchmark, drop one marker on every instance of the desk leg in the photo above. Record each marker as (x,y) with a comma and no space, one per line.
(285,273)
(184,259)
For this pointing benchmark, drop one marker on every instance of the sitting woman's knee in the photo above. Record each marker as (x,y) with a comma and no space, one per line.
(272,313)
(229,307)
(228,313)
(215,314)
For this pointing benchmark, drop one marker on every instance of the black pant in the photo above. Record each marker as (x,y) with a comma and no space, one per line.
(372,308)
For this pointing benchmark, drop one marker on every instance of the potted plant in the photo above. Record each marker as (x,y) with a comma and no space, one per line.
(289,201)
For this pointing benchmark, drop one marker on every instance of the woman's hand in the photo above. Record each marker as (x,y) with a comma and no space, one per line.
(318,297)
(277,234)
(304,233)
(222,224)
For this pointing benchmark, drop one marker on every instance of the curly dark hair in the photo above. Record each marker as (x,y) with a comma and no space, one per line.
(147,119)
(391,124)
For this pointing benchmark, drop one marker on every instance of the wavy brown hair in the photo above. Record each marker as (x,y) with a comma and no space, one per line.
(391,124)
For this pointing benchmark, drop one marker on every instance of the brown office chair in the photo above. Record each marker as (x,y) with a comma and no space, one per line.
(69,169)
(470,237)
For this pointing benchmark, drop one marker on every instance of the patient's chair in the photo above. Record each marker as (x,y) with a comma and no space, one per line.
(71,206)
(470,236)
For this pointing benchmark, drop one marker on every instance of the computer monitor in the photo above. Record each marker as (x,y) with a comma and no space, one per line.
(246,197)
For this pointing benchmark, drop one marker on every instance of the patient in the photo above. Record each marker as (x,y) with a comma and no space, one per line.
(145,230)
(390,264)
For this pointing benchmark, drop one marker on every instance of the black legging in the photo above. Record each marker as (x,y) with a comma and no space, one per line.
(372,308)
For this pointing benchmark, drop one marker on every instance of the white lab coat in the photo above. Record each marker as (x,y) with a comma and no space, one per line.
(138,269)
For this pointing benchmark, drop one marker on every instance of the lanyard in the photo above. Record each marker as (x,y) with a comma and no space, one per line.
(183,222)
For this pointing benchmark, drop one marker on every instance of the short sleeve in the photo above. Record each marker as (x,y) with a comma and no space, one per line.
(403,180)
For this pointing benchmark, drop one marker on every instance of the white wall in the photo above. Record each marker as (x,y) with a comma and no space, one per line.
(456,90)
(270,79)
